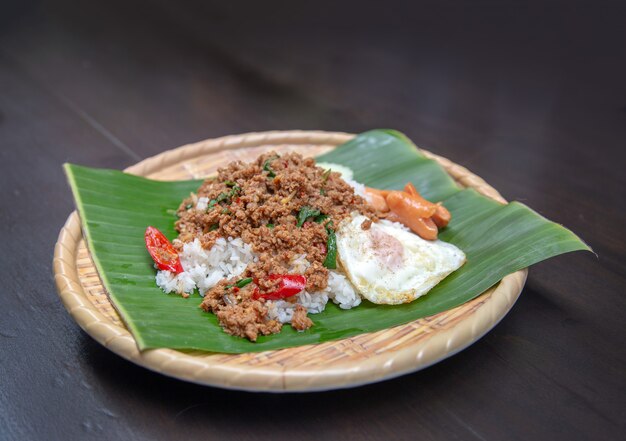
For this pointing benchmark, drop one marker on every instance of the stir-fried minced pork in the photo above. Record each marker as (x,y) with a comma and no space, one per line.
(300,320)
(284,207)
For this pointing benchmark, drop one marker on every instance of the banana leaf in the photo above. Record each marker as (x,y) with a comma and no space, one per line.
(115,209)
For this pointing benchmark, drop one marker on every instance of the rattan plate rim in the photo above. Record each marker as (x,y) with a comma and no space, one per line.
(489,308)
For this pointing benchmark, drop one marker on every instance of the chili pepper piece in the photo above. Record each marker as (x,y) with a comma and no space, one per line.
(290,285)
(162,251)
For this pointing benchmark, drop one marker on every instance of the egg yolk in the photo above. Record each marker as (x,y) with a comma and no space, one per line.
(387,249)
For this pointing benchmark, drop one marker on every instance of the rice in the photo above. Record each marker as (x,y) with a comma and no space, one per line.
(229,258)
(339,290)
(359,189)
(202,204)
(203,269)
(299,264)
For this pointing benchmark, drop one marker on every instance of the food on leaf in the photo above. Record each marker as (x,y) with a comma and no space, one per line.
(116,207)
(290,237)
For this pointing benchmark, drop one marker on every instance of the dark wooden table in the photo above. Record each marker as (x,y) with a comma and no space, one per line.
(531,96)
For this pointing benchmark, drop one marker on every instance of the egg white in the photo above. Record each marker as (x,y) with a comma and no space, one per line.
(388,264)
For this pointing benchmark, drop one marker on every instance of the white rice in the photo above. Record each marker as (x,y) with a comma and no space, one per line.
(299,265)
(359,189)
(203,269)
(202,204)
(229,258)
(339,290)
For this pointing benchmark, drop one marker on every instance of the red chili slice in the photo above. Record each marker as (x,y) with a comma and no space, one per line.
(162,251)
(290,285)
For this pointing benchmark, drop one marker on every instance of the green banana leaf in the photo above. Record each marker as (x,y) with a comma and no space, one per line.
(115,209)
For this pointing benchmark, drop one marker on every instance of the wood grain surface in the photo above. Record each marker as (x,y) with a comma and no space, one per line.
(528,95)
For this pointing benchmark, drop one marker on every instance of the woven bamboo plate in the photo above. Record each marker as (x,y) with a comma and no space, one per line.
(363,359)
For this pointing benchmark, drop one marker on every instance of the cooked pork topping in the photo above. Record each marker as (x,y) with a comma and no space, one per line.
(300,321)
(284,206)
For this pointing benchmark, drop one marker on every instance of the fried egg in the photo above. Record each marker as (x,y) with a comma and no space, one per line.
(388,264)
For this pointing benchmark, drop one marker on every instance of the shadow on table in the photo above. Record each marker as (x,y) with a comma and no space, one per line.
(450,387)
